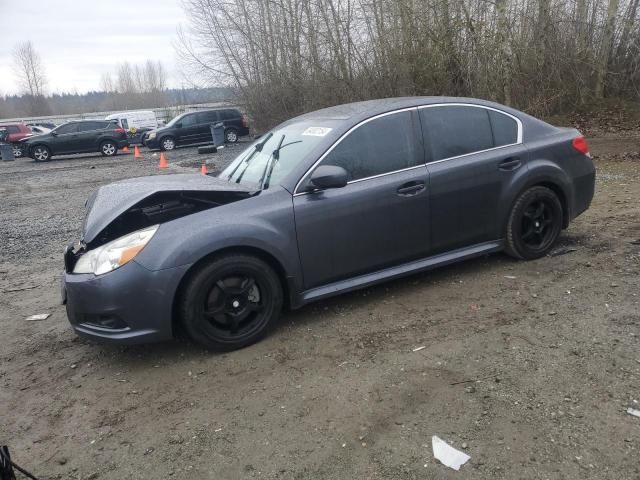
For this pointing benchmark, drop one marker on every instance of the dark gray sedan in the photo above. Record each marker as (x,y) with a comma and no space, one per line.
(325,203)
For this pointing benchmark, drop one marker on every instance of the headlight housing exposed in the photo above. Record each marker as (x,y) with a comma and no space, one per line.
(151,136)
(114,254)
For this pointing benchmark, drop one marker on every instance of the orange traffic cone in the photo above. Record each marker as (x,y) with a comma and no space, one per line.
(136,153)
(203,169)
(125,149)
(163,161)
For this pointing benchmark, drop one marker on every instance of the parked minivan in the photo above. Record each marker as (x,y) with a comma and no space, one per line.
(195,127)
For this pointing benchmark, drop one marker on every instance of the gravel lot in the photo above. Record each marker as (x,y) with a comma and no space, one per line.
(528,366)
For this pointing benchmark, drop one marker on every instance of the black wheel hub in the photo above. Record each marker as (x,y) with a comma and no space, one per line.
(537,224)
(234,306)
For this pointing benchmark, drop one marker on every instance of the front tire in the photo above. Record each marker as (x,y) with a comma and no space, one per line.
(41,153)
(231,302)
(167,144)
(108,148)
(534,224)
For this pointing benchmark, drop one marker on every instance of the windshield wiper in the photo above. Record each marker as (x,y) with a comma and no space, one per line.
(275,157)
(257,148)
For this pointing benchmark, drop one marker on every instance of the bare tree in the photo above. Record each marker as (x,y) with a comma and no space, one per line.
(605,49)
(29,69)
(106,83)
(289,56)
(126,79)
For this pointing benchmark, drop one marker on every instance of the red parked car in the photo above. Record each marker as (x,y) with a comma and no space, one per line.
(17,132)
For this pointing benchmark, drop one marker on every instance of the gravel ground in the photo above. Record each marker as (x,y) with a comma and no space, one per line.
(527,366)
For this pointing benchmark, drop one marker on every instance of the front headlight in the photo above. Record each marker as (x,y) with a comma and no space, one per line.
(114,254)
(151,136)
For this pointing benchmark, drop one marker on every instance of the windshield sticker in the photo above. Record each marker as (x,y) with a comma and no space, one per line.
(317,131)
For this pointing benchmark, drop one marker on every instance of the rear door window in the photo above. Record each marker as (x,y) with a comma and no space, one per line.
(229,114)
(456,130)
(385,144)
(68,128)
(207,117)
(89,126)
(505,129)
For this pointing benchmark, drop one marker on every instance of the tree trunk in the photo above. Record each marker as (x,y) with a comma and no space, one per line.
(605,50)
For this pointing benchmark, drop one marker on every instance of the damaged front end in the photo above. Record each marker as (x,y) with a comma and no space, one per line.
(134,205)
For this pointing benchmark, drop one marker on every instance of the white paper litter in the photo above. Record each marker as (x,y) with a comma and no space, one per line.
(39,316)
(417,349)
(634,412)
(448,455)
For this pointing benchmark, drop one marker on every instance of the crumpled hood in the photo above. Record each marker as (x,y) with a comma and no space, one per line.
(110,201)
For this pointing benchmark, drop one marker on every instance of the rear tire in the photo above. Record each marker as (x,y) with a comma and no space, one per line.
(41,153)
(230,302)
(108,148)
(534,224)
(231,135)
(18,150)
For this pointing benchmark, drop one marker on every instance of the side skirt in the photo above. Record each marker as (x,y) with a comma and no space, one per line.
(363,281)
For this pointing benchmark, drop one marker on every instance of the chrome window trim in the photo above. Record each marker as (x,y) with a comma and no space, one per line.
(407,109)
(385,174)
(516,119)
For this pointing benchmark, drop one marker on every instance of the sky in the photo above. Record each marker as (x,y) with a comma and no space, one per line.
(80,40)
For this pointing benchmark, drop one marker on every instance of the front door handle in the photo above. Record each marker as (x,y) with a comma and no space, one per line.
(410,188)
(510,163)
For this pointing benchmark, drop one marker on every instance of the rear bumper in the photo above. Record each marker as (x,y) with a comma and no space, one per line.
(123,143)
(242,131)
(129,305)
(584,188)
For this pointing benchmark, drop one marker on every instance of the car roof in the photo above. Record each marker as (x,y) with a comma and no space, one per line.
(213,109)
(342,118)
(357,111)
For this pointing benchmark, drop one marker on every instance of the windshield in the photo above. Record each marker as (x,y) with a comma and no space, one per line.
(270,158)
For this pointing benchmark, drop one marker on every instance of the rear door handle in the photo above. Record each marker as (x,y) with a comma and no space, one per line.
(510,163)
(410,188)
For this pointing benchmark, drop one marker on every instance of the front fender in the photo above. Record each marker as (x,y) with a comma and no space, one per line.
(263,222)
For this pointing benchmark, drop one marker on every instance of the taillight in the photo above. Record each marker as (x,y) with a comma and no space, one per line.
(118,130)
(580,144)
(245,121)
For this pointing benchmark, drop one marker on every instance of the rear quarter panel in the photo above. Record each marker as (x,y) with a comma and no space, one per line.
(554,161)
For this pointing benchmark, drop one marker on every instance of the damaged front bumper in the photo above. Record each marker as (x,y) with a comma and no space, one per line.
(128,305)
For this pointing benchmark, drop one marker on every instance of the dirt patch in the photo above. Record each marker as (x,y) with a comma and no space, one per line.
(550,347)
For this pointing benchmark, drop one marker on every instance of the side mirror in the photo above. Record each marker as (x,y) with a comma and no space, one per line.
(327,176)
(54,133)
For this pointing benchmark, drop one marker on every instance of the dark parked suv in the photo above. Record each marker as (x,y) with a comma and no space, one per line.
(77,137)
(195,127)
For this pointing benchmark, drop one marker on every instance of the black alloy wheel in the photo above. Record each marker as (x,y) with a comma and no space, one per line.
(534,224)
(230,302)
